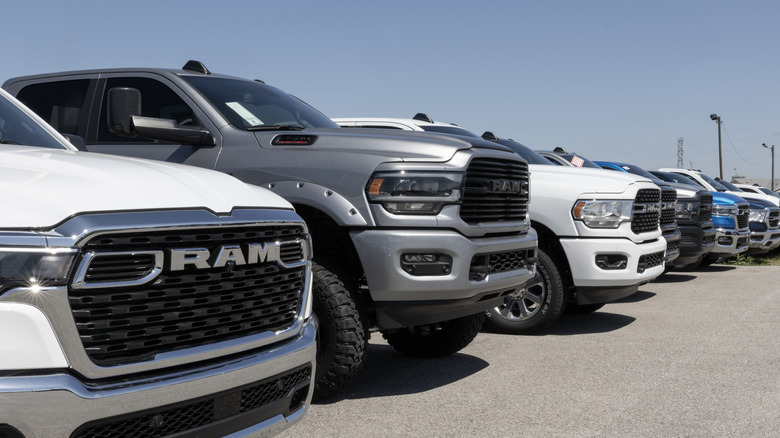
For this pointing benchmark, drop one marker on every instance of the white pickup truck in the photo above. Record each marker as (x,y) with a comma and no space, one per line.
(141,298)
(599,233)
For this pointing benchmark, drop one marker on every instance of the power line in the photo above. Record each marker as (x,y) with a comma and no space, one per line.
(735,148)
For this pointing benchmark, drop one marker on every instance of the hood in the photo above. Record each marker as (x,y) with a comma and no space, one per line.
(42,187)
(748,196)
(392,144)
(685,191)
(726,198)
(583,179)
(759,204)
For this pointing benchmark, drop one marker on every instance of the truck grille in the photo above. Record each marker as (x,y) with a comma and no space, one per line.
(188,307)
(170,420)
(672,248)
(743,216)
(495,190)
(646,211)
(705,208)
(669,207)
(773,221)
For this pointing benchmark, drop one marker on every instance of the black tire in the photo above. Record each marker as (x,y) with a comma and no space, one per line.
(436,340)
(342,340)
(708,260)
(582,309)
(536,307)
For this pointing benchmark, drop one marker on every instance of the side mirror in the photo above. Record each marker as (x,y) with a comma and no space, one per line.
(123,104)
(124,118)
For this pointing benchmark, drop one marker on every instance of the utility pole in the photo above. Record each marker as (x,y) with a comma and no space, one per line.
(720,153)
(680,153)
(772,181)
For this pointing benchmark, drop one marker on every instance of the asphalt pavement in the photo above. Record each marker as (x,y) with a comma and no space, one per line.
(693,354)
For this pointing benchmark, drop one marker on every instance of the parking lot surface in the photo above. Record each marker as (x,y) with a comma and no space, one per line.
(694,354)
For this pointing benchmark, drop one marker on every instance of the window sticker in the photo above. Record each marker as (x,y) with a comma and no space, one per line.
(245,114)
(577,161)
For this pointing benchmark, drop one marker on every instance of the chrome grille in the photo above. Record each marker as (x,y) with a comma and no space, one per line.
(186,308)
(646,221)
(495,190)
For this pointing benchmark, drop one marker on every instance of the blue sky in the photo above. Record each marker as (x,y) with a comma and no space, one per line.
(613,80)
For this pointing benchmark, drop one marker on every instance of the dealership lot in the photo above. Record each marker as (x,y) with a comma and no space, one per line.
(693,354)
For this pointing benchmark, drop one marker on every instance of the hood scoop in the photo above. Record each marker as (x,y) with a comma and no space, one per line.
(294,140)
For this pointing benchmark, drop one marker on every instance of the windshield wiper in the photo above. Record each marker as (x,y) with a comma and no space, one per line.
(9,142)
(276,128)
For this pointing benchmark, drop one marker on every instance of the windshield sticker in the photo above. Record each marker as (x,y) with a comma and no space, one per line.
(245,114)
(577,161)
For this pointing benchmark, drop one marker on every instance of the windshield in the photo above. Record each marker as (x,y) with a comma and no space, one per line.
(769,192)
(731,186)
(639,171)
(254,106)
(16,127)
(456,130)
(527,153)
(716,185)
(675,177)
(580,161)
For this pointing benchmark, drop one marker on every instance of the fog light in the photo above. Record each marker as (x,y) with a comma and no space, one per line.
(426,264)
(725,240)
(611,261)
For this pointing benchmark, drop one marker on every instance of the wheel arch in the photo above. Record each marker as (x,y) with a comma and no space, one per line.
(549,242)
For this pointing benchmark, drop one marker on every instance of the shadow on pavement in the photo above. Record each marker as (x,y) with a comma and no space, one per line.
(389,373)
(717,268)
(675,277)
(636,297)
(596,322)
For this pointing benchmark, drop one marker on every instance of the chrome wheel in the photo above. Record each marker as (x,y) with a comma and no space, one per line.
(525,302)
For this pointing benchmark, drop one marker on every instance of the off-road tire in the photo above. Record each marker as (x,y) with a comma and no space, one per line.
(436,340)
(537,307)
(342,341)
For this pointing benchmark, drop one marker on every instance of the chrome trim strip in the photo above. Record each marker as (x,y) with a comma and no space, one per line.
(79,281)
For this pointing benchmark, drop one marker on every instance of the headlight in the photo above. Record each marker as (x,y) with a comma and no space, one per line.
(29,267)
(725,210)
(602,214)
(414,192)
(686,209)
(757,215)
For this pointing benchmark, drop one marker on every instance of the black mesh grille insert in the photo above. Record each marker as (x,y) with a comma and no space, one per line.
(743,216)
(185,308)
(178,419)
(649,220)
(495,191)
(650,260)
(705,208)
(672,247)
(507,261)
(668,213)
